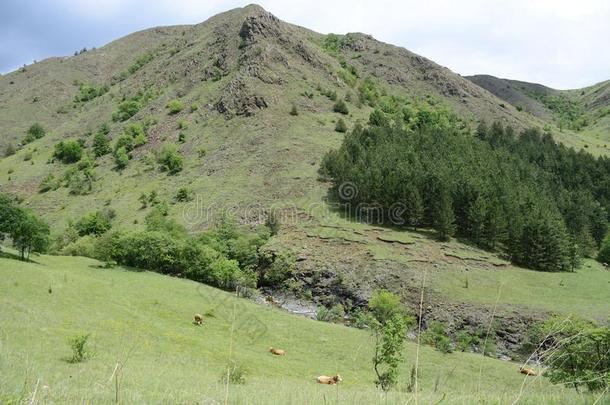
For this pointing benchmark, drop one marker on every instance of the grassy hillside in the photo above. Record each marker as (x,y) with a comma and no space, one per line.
(142,321)
(579,118)
(242,70)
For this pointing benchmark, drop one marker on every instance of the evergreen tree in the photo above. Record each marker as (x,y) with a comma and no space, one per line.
(477,214)
(444,219)
(414,207)
(101,144)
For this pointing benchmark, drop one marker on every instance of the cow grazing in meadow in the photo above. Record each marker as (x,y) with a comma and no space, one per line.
(277,352)
(198,319)
(329,380)
(527,371)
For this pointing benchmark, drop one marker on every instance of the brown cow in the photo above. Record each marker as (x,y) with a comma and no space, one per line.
(277,352)
(329,380)
(527,371)
(198,319)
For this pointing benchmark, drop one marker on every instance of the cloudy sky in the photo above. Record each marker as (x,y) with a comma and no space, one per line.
(560,43)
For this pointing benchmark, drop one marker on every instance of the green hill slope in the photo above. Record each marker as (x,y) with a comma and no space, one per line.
(584,114)
(142,321)
(242,70)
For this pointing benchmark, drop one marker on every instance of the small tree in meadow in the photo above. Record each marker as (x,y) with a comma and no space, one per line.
(389,329)
(79,351)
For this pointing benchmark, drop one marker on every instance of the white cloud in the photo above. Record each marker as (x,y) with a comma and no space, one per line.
(561,43)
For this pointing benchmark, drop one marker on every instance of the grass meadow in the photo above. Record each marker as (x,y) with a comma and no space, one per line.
(145,349)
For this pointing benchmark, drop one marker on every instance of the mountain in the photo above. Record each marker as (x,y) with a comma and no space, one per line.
(248,101)
(242,71)
(585,111)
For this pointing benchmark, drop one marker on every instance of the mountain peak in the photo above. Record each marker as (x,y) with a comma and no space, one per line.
(258,22)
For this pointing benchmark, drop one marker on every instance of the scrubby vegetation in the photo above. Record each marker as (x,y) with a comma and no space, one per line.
(576,351)
(68,151)
(170,159)
(341,126)
(130,107)
(225,256)
(36,131)
(101,142)
(569,112)
(79,350)
(175,106)
(544,204)
(87,92)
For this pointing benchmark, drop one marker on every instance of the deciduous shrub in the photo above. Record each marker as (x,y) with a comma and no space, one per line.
(101,143)
(340,107)
(68,151)
(175,106)
(34,132)
(121,158)
(341,126)
(94,223)
(79,351)
(436,335)
(170,159)
(126,110)
(184,194)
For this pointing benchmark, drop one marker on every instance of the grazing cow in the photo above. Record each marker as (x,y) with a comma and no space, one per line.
(329,380)
(527,371)
(277,352)
(198,319)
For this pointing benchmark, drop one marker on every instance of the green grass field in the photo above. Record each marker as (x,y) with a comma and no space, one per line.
(142,322)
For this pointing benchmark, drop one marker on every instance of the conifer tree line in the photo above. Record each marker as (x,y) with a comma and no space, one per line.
(542,204)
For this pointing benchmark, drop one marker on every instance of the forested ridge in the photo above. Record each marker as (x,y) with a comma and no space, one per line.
(541,203)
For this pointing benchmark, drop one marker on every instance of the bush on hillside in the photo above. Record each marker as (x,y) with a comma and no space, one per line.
(87,92)
(48,183)
(273,222)
(10,149)
(175,106)
(293,110)
(121,158)
(68,151)
(170,159)
(101,144)
(94,223)
(126,110)
(281,268)
(341,126)
(84,246)
(436,335)
(340,107)
(184,194)
(34,132)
